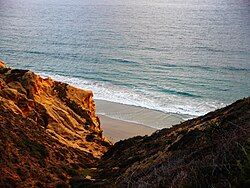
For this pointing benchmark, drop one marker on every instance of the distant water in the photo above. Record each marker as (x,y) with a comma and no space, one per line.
(187,57)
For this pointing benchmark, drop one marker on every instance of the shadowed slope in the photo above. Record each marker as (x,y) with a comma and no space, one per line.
(209,151)
(50,133)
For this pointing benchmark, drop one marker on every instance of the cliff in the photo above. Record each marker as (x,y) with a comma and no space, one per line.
(49,130)
(51,137)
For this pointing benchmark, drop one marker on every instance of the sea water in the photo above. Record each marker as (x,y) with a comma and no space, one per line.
(185,57)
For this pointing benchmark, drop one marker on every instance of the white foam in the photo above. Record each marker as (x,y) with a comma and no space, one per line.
(151,100)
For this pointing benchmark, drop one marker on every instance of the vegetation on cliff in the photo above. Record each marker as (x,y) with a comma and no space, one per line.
(49,130)
(208,151)
(50,136)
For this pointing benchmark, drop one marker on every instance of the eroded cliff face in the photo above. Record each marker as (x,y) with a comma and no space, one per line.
(46,124)
(50,136)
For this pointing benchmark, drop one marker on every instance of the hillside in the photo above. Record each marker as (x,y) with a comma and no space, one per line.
(51,137)
(208,151)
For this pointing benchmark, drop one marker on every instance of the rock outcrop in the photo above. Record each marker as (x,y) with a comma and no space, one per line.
(51,137)
(49,130)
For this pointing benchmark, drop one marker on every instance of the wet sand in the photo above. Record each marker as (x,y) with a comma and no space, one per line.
(116,130)
(120,121)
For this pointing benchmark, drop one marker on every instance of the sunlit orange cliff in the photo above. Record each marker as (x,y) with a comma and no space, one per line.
(49,130)
(51,137)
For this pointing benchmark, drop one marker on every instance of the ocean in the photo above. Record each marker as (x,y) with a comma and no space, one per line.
(183,57)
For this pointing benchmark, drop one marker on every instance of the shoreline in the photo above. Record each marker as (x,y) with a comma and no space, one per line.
(138,115)
(116,130)
(120,121)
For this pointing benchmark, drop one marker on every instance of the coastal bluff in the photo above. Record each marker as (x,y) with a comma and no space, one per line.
(51,137)
(49,130)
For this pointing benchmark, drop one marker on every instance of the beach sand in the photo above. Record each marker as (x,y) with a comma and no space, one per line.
(120,121)
(116,130)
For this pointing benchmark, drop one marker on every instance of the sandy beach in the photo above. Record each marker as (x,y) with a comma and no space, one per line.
(116,130)
(120,121)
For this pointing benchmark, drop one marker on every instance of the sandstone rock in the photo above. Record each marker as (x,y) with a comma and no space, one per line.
(50,136)
(44,126)
(2,64)
(88,177)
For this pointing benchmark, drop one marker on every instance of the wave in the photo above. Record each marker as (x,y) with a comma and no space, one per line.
(124,61)
(183,103)
(201,67)
(236,69)
(170,91)
(56,55)
(210,49)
